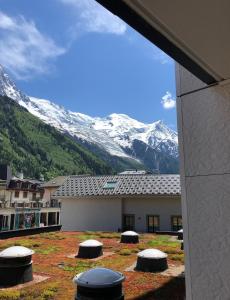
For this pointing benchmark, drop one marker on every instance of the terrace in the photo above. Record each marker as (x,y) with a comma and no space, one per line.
(54,261)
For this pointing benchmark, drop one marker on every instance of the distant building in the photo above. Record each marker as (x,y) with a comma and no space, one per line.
(25,203)
(127,201)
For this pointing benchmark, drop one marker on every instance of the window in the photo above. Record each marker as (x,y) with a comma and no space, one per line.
(128,222)
(16,194)
(4,222)
(25,194)
(34,196)
(110,185)
(12,222)
(176,223)
(153,223)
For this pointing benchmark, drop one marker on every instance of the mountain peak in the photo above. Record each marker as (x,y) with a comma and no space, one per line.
(9,89)
(118,134)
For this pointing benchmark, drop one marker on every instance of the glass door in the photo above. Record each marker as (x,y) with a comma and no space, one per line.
(128,222)
(176,223)
(153,223)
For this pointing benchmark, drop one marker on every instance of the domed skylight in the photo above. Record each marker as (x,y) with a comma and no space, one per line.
(91,243)
(16,251)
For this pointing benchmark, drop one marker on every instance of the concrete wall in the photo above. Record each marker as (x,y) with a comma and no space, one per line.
(165,207)
(91,214)
(48,191)
(106,214)
(204,139)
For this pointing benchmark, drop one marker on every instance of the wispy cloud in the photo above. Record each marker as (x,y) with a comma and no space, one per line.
(24,50)
(92,17)
(168,101)
(160,56)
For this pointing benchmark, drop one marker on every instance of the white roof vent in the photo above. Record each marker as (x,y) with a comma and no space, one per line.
(16,251)
(130,233)
(91,243)
(152,254)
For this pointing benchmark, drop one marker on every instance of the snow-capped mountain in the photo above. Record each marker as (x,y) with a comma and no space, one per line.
(117,134)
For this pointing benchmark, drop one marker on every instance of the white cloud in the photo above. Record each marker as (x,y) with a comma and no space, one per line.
(92,17)
(24,50)
(168,101)
(160,56)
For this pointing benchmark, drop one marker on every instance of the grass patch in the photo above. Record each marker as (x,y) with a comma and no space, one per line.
(162,240)
(52,236)
(49,292)
(141,247)
(135,250)
(125,252)
(109,235)
(84,237)
(81,266)
(10,295)
(178,257)
(48,250)
(25,243)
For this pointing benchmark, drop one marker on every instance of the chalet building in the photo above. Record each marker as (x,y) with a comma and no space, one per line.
(128,201)
(25,203)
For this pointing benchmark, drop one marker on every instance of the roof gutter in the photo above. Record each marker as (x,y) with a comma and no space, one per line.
(135,20)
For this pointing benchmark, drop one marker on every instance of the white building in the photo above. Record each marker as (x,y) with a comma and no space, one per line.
(25,203)
(141,202)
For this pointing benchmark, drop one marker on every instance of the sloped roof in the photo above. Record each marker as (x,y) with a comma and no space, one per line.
(148,184)
(55,182)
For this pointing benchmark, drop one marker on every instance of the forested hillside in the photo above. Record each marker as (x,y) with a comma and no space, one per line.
(31,146)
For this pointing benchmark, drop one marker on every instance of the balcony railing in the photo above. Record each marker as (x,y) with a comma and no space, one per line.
(30,204)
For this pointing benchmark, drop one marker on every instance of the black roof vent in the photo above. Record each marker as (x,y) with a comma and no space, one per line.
(99,283)
(15,266)
(90,249)
(130,237)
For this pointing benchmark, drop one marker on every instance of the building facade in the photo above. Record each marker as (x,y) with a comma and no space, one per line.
(24,204)
(141,202)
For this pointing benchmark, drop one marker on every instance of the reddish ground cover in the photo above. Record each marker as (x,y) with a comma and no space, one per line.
(52,251)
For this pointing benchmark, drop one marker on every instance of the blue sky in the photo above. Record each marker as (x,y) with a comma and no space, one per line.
(77,54)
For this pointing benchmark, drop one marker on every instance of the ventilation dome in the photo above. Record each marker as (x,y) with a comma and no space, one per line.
(16,251)
(130,237)
(91,243)
(99,283)
(151,260)
(15,266)
(90,249)
(180,234)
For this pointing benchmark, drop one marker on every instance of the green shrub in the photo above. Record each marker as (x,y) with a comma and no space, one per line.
(141,247)
(109,235)
(178,257)
(125,252)
(9,295)
(135,250)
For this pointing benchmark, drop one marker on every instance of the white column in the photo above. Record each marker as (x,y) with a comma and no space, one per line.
(204,139)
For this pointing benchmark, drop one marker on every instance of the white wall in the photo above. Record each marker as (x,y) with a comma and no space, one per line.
(91,214)
(165,207)
(204,138)
(105,214)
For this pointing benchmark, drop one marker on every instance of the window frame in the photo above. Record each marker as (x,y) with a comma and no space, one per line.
(125,227)
(16,194)
(25,193)
(147,223)
(176,227)
(110,185)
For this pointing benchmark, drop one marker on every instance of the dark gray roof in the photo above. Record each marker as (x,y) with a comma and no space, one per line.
(79,186)
(55,182)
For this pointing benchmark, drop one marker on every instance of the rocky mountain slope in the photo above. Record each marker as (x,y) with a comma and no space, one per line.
(35,148)
(117,138)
